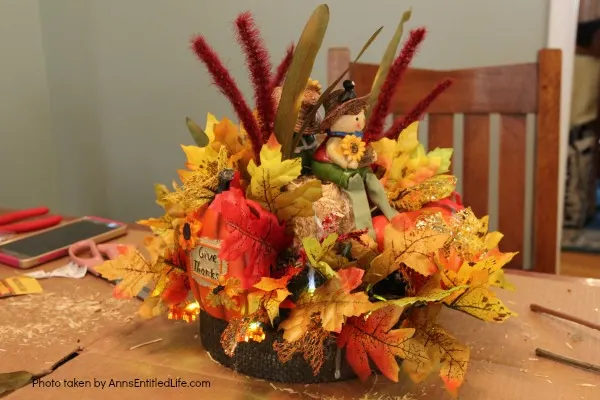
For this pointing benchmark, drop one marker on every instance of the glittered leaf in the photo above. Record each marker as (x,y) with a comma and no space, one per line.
(297,76)
(374,338)
(200,183)
(332,301)
(415,197)
(387,60)
(311,344)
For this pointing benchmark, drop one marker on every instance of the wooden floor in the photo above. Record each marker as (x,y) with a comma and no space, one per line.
(584,265)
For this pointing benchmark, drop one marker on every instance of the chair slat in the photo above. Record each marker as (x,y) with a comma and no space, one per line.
(511,207)
(441,131)
(476,162)
(546,168)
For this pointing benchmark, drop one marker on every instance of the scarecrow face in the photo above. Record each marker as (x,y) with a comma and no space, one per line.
(349,123)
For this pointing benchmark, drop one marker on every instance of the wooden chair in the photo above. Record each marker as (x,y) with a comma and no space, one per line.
(513,91)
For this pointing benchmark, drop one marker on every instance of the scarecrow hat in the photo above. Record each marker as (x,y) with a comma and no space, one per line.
(342,102)
(311,97)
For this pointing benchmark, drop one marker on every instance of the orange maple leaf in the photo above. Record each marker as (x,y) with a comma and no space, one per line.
(373,337)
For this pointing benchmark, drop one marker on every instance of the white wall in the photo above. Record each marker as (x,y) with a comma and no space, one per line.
(122,78)
(28,169)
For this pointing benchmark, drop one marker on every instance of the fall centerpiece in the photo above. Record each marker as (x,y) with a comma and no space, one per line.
(311,260)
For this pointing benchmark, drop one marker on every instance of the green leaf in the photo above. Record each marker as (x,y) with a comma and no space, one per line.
(297,77)
(386,62)
(197,133)
(12,381)
(315,108)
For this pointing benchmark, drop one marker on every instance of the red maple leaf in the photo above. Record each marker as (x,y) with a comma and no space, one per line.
(177,290)
(374,338)
(253,233)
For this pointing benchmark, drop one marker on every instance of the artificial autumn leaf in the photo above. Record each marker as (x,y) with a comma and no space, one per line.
(441,348)
(134,270)
(311,344)
(416,196)
(477,299)
(253,233)
(270,294)
(431,297)
(298,202)
(177,288)
(202,180)
(364,251)
(413,244)
(374,337)
(269,184)
(151,307)
(332,301)
(316,252)
(225,293)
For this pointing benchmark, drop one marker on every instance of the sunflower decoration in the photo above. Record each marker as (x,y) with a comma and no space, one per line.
(353,148)
(190,232)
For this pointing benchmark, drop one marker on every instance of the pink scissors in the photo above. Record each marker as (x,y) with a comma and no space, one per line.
(99,253)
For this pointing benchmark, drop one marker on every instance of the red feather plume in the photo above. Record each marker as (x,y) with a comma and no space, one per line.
(417,111)
(282,68)
(376,121)
(259,64)
(224,81)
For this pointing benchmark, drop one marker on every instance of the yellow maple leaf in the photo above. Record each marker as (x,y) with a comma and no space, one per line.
(477,299)
(333,302)
(441,349)
(269,184)
(135,269)
(151,307)
(270,294)
(199,185)
(414,243)
(316,252)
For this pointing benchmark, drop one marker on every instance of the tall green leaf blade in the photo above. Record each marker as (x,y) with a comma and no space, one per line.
(197,133)
(297,77)
(386,62)
(315,108)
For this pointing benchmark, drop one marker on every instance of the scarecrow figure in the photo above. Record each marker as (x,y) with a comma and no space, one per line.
(308,142)
(345,160)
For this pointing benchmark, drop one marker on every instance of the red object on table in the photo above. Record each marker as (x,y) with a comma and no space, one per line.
(9,223)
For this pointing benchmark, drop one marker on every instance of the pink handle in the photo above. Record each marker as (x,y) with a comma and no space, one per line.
(82,246)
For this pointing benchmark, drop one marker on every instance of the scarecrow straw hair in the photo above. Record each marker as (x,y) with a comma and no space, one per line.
(416,113)
(259,65)
(282,68)
(229,88)
(375,123)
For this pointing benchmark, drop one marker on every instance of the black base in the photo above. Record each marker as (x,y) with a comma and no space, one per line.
(260,360)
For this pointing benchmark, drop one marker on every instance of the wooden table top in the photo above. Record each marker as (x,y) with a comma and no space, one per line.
(37,330)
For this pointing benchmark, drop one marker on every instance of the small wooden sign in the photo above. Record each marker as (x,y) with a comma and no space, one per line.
(205,262)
